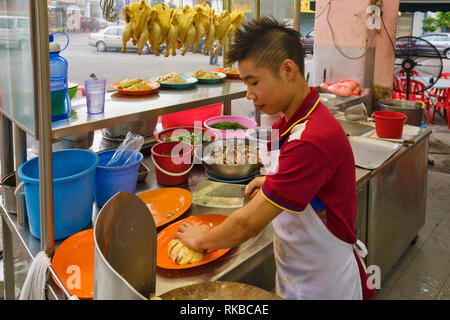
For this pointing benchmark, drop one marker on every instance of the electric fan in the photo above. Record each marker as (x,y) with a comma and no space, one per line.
(418,65)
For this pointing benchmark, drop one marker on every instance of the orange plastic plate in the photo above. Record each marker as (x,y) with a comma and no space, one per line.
(166,204)
(154,86)
(165,236)
(73,262)
(229,75)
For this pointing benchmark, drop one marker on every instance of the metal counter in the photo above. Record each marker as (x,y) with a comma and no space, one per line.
(397,203)
(120,109)
(252,262)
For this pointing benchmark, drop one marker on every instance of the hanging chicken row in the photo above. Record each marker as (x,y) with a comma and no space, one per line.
(179,28)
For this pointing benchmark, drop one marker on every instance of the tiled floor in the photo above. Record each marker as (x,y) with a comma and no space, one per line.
(423,270)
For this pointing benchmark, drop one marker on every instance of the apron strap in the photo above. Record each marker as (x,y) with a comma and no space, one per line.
(360,249)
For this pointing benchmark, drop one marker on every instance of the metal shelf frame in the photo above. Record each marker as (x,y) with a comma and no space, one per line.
(13,135)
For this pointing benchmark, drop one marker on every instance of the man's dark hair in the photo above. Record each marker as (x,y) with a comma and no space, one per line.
(268,42)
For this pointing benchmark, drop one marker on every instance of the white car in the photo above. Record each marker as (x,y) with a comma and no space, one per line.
(15,32)
(111,38)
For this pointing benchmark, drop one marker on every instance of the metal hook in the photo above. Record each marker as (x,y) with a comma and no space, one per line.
(109,12)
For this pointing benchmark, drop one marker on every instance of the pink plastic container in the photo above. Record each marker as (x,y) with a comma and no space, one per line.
(229,134)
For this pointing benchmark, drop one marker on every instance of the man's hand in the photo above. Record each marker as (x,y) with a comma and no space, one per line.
(241,225)
(253,187)
(190,234)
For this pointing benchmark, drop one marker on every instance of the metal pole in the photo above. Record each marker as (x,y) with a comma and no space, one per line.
(257,16)
(41,66)
(8,260)
(20,156)
(226,6)
(297,8)
(6,145)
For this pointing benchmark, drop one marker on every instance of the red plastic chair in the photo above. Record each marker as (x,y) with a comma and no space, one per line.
(445,106)
(445,75)
(402,73)
(396,88)
(414,86)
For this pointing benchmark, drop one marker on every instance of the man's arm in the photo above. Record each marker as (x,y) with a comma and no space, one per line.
(240,226)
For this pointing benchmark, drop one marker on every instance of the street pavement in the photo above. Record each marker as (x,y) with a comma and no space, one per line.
(116,66)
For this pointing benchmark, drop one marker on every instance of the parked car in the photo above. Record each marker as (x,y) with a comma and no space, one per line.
(92,24)
(111,38)
(15,32)
(308,41)
(439,40)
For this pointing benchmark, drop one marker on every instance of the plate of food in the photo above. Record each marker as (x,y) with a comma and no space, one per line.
(174,81)
(232,73)
(166,204)
(204,76)
(135,87)
(171,253)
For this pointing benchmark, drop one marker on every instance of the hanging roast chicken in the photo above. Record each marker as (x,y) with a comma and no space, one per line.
(136,17)
(179,28)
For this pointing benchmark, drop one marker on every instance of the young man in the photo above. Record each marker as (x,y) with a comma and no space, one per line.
(311,199)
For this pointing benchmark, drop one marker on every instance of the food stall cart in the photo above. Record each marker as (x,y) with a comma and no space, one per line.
(253,261)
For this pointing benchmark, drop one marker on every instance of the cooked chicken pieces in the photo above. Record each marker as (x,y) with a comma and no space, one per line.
(181,254)
(204,74)
(171,78)
(180,27)
(134,84)
(231,70)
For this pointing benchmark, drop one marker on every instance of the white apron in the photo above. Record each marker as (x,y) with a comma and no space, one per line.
(312,263)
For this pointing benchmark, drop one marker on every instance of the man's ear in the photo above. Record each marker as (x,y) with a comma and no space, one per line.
(289,69)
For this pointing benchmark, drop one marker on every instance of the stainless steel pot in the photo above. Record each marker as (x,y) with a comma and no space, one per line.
(226,171)
(80,141)
(8,186)
(414,110)
(144,128)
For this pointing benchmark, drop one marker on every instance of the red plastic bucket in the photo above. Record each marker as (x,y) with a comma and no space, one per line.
(188,117)
(389,124)
(173,162)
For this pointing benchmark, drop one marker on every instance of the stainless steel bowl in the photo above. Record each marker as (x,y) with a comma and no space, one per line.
(226,171)
(8,187)
(144,128)
(416,114)
(80,141)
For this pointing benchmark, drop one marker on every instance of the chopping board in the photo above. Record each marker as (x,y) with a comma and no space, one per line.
(371,153)
(219,195)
